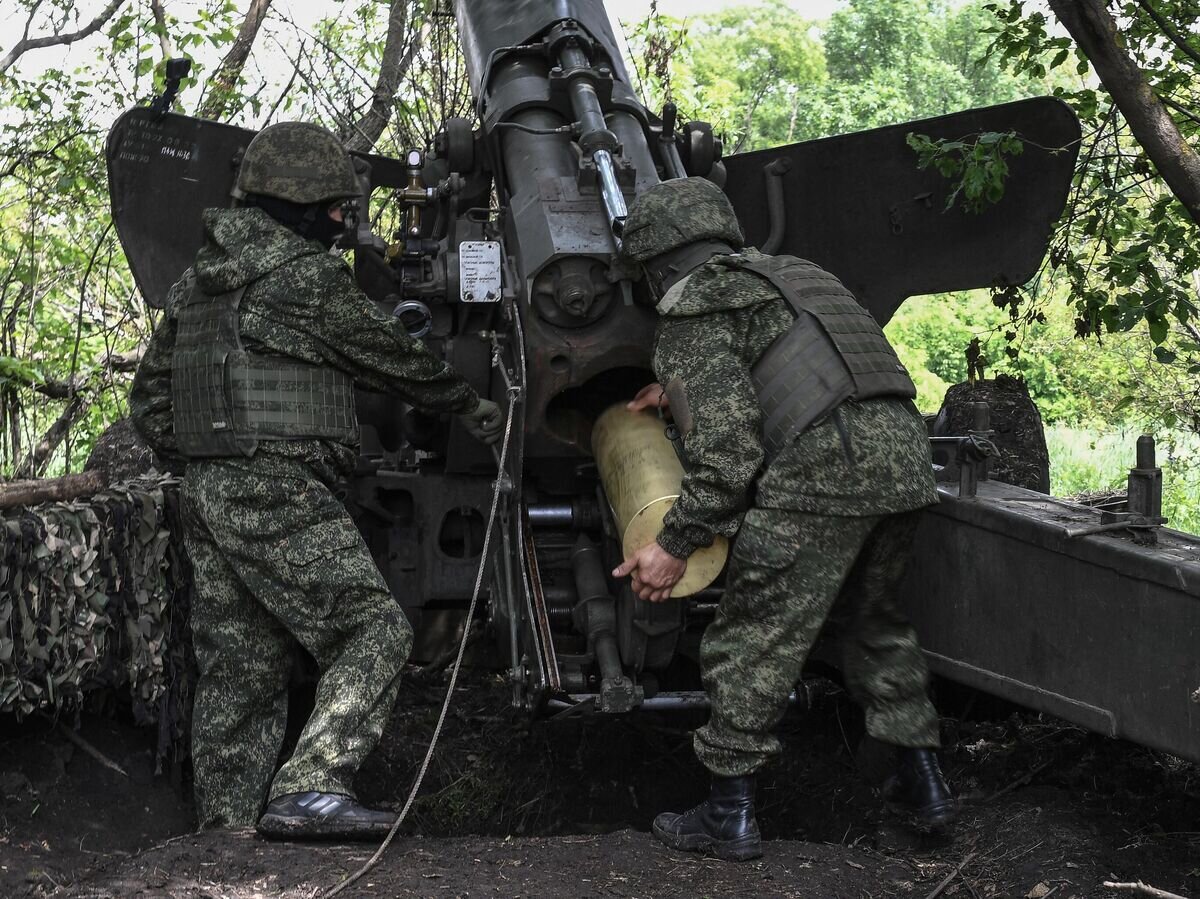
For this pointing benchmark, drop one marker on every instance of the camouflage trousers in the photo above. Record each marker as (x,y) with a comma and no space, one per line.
(790,572)
(278,560)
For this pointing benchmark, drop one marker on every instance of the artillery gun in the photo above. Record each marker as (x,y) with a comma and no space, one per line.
(504,263)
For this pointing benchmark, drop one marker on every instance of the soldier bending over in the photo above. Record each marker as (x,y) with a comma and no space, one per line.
(787,391)
(249,381)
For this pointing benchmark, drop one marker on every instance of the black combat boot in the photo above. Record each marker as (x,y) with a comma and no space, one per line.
(918,783)
(322,816)
(722,824)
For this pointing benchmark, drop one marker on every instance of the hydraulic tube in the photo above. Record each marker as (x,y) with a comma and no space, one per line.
(595,614)
(594,138)
(641,476)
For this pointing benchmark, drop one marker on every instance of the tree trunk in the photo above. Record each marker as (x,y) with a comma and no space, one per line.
(34,464)
(1095,31)
(225,79)
(403,40)
(30,493)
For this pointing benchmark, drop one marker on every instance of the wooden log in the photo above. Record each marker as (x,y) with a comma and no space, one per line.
(30,493)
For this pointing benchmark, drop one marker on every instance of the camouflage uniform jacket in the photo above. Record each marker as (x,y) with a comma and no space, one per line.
(714,326)
(302,303)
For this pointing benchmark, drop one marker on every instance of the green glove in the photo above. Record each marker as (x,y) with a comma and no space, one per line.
(485,423)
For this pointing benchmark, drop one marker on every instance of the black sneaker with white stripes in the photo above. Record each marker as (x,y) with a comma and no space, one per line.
(322,816)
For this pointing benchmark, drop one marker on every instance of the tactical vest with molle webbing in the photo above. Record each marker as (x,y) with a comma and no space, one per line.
(835,351)
(225,400)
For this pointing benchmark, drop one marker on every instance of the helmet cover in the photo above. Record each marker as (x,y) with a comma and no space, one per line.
(300,162)
(678,212)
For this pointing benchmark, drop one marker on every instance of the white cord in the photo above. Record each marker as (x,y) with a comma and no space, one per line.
(462,647)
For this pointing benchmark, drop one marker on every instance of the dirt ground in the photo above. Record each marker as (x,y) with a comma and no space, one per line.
(563,809)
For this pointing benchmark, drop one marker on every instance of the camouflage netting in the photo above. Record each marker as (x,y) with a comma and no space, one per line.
(1019,434)
(94,600)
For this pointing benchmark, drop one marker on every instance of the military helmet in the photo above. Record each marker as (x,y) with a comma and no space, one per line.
(299,162)
(677,212)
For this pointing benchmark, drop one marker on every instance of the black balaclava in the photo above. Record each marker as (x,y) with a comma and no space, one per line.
(310,220)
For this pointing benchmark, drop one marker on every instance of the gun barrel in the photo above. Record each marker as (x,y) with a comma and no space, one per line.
(491,28)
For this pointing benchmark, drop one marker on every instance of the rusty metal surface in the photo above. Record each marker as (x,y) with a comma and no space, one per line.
(858,206)
(1097,630)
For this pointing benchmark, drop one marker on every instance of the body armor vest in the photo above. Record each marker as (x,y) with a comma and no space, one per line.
(225,400)
(835,351)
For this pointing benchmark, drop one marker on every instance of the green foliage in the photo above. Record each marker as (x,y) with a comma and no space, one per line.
(976,165)
(868,37)
(1120,271)
(741,68)
(68,305)
(1125,252)
(1087,460)
(1075,383)
(764,76)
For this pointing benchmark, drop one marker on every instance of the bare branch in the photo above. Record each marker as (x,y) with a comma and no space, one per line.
(225,79)
(403,41)
(160,19)
(287,89)
(112,363)
(27,43)
(1142,889)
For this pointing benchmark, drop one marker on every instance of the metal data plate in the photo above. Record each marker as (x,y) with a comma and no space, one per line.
(479,271)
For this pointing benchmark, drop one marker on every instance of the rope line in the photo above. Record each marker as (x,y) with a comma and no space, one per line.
(462,647)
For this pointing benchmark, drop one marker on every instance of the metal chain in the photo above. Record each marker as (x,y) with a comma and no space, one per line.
(497,489)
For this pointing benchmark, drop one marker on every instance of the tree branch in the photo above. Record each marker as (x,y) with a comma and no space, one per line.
(124,363)
(1181,109)
(35,461)
(160,20)
(287,89)
(1094,30)
(1142,889)
(1168,30)
(401,46)
(27,43)
(225,79)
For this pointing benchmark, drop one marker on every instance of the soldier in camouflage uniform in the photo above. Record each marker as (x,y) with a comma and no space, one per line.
(248,381)
(791,403)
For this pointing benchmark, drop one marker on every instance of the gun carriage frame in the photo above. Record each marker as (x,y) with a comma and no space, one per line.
(526,300)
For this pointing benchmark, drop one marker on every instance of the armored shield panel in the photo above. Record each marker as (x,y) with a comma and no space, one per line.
(858,206)
(162,172)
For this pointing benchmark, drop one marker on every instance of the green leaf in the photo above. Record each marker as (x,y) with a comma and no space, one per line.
(1124,403)
(1158,331)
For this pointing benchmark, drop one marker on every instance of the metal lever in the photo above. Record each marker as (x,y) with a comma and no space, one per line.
(1143,502)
